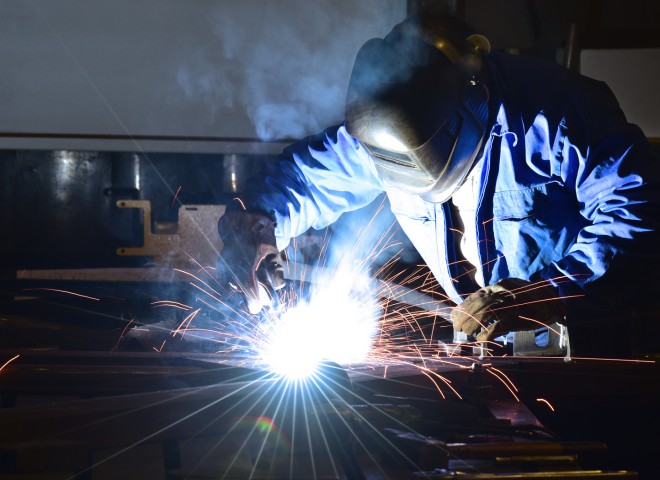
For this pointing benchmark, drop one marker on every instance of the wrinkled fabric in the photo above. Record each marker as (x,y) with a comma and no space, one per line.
(569,190)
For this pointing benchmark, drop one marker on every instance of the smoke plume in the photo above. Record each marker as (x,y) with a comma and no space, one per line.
(284,63)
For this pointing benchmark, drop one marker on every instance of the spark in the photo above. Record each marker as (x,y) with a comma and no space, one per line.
(240,203)
(542,324)
(338,313)
(170,304)
(67,292)
(505,378)
(344,316)
(543,400)
(123,332)
(8,362)
(496,374)
(215,295)
(186,323)
(176,195)
(434,377)
(316,327)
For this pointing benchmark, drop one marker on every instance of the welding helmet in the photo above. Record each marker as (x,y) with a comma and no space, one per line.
(417,102)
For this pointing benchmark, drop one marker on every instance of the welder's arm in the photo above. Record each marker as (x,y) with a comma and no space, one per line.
(613,259)
(617,188)
(311,185)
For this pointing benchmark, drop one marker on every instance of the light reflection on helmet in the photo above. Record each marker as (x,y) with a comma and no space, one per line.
(416,101)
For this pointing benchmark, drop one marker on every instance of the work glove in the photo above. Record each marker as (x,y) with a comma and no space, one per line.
(250,255)
(507,306)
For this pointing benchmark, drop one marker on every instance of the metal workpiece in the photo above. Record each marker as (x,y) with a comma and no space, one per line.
(194,240)
(200,411)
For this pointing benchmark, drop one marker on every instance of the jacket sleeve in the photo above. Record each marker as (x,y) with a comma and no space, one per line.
(313,182)
(609,165)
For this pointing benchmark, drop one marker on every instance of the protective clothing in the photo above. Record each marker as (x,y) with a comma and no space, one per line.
(506,306)
(569,191)
(250,255)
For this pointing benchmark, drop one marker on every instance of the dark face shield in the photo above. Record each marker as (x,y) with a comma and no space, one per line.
(419,116)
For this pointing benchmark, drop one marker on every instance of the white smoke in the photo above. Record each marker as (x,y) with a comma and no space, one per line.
(285,63)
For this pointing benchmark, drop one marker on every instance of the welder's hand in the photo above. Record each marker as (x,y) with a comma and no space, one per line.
(250,255)
(508,306)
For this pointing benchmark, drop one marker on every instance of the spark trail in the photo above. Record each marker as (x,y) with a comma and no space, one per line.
(340,310)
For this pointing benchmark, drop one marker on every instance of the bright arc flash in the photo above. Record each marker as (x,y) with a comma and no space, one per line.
(337,324)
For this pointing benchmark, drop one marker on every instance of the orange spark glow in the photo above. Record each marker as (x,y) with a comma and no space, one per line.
(65,291)
(8,362)
(543,400)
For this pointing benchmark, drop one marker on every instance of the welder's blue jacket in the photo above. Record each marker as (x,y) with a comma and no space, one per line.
(569,190)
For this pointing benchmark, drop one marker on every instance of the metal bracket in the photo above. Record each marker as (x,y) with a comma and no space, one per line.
(524,343)
(194,238)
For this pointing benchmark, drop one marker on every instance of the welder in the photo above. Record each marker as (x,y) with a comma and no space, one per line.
(521,183)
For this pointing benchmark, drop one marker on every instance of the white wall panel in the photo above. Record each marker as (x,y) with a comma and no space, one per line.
(211,74)
(633,75)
